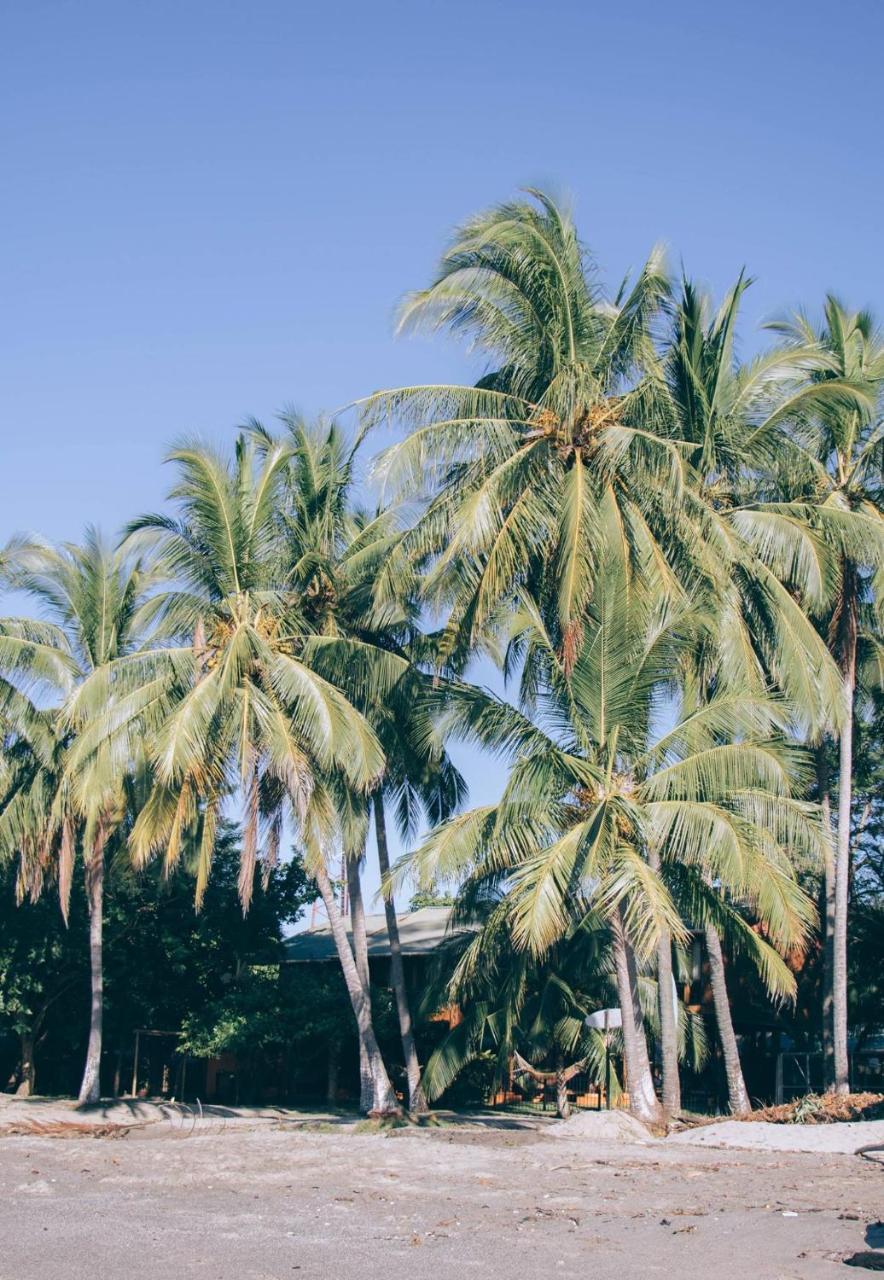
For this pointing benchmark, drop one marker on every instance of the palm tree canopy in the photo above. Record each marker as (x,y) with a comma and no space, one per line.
(229,696)
(350,568)
(97,605)
(597,794)
(750,424)
(594,411)
(834,455)
(572,408)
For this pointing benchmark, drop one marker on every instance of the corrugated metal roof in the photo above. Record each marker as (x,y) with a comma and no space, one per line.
(420,932)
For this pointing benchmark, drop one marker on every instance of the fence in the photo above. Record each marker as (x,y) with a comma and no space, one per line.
(800,1072)
(583,1093)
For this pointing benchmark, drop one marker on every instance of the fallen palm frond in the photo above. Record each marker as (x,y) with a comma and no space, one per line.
(64,1129)
(825,1108)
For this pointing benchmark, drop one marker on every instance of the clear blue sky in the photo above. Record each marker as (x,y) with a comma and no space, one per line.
(210,209)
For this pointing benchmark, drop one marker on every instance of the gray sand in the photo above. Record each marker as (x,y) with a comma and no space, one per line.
(260,1199)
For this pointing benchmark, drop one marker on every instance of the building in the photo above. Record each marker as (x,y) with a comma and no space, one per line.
(421,933)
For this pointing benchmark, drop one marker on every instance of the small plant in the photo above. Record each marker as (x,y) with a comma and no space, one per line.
(808,1109)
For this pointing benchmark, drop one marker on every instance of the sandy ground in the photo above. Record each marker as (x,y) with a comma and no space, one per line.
(834,1139)
(245,1197)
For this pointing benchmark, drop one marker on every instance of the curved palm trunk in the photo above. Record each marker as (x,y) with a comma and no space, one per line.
(417,1102)
(90,1089)
(643,1101)
(563,1105)
(737,1094)
(827,1011)
(360,955)
(842,883)
(560,1078)
(383,1097)
(668,1026)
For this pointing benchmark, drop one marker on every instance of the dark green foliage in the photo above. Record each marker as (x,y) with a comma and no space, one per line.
(165,965)
(44,974)
(429,898)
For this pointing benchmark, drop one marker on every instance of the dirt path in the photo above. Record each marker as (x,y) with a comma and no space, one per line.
(276,1203)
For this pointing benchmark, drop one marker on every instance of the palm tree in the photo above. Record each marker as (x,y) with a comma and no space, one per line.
(763,455)
(96,604)
(597,797)
(333,554)
(236,704)
(582,410)
(572,413)
(420,780)
(349,565)
(526,1011)
(668,1016)
(834,475)
(734,421)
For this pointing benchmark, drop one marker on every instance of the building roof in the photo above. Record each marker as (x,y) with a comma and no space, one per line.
(420,932)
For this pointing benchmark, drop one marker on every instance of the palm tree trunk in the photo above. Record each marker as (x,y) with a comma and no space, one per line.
(842,878)
(384,1099)
(737,1094)
(90,1089)
(563,1106)
(417,1102)
(828,915)
(643,1101)
(360,955)
(668,1026)
(668,1018)
(27,1070)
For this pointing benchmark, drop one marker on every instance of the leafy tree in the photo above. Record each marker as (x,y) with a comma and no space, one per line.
(597,798)
(570,417)
(168,962)
(430,898)
(237,704)
(165,966)
(350,565)
(734,421)
(43,965)
(832,473)
(586,421)
(743,423)
(97,604)
(336,555)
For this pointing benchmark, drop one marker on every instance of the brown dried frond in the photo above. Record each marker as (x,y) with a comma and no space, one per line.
(66,866)
(572,641)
